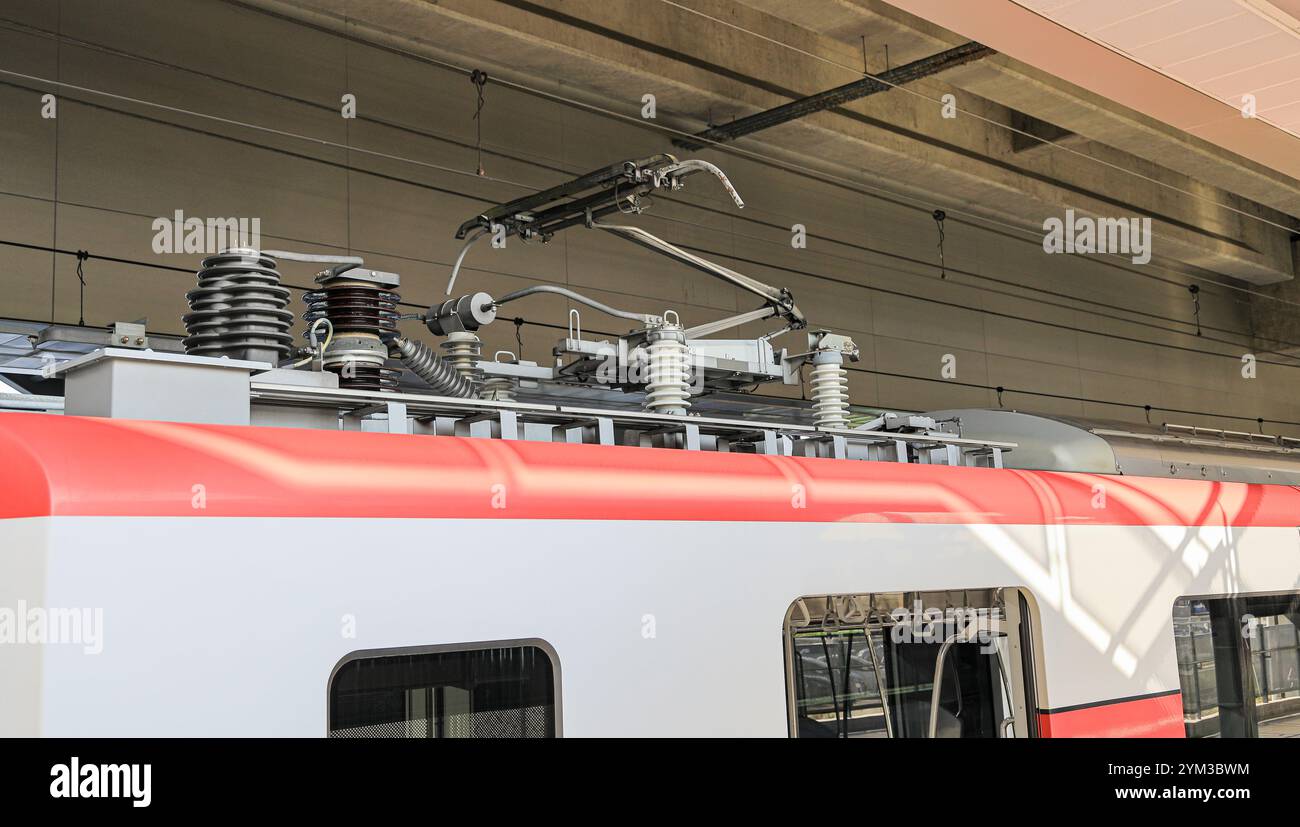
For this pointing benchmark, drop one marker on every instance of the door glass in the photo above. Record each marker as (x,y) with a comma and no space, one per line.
(1239,665)
(479,691)
(908,665)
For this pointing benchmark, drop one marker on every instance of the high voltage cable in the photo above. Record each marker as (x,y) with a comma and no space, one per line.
(797,271)
(787,166)
(443,138)
(829,239)
(766,264)
(442,168)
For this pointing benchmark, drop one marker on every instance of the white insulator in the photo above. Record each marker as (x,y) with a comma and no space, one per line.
(668,377)
(830,395)
(498,389)
(462,351)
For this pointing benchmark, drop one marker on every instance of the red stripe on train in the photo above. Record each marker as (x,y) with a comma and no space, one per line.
(1160,716)
(63,465)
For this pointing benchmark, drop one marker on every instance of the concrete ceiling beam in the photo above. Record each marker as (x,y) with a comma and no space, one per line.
(700,67)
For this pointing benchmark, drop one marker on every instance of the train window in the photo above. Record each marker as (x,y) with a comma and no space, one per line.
(911,665)
(1239,665)
(490,690)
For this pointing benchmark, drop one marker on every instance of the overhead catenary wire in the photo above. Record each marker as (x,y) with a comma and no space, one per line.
(15,26)
(853,185)
(878,289)
(950,270)
(802,272)
(749,218)
(920,298)
(988,312)
(1001,390)
(859,286)
(483,200)
(720,146)
(284,133)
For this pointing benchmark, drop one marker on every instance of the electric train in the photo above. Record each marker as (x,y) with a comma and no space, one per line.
(213,580)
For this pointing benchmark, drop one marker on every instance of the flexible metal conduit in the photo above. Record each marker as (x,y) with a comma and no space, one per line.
(578,297)
(432,368)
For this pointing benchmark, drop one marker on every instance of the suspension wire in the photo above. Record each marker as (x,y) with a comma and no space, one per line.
(857,261)
(520,321)
(479,78)
(982,277)
(829,278)
(445,139)
(862,286)
(82,255)
(757,221)
(244,124)
(776,163)
(454,171)
(911,91)
(461,194)
(705,251)
(939,216)
(985,311)
(54,229)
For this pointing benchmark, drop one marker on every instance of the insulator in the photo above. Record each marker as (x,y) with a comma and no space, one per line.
(498,389)
(239,309)
(353,307)
(830,392)
(362,307)
(462,353)
(425,363)
(668,373)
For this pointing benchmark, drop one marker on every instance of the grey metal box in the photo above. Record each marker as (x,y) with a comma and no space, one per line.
(169,387)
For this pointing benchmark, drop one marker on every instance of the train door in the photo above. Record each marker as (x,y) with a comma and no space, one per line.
(955,664)
(1239,664)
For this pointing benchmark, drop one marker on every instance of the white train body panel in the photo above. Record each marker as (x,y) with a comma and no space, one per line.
(231,626)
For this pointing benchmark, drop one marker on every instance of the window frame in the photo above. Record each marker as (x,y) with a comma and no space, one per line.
(1030,675)
(1246,664)
(448,648)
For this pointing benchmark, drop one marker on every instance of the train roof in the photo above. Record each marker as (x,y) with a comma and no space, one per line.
(1057,443)
(87,466)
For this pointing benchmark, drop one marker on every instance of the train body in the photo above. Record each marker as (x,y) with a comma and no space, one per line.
(228,577)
